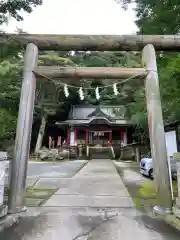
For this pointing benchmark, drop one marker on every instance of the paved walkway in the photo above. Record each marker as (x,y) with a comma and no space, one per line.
(92,205)
(96,185)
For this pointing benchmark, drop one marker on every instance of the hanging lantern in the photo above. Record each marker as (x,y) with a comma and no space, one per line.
(115,90)
(97,93)
(66,91)
(81,94)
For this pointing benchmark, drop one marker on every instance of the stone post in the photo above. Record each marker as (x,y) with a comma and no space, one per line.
(177,207)
(137,155)
(41,133)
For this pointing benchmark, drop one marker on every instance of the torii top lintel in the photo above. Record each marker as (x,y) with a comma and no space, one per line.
(94,42)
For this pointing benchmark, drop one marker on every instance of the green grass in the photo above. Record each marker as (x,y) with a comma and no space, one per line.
(138,202)
(144,197)
(148,190)
(35,192)
(147,193)
(175,188)
(39,193)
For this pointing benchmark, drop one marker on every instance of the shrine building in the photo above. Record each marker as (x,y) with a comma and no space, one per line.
(97,126)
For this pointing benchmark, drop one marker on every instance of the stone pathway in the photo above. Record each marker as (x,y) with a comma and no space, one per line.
(96,185)
(92,205)
(45,178)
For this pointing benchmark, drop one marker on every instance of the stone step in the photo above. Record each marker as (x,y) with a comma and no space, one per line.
(100,153)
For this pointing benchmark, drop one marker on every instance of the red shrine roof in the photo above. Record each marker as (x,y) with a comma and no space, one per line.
(90,114)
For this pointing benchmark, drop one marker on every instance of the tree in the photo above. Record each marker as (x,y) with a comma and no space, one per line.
(9,98)
(52,100)
(11,62)
(13,8)
(156,16)
(159,17)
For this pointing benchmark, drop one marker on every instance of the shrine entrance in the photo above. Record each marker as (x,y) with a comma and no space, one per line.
(147,44)
(95,127)
(100,138)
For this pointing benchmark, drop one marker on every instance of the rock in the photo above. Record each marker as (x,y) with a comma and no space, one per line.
(52,154)
(64,153)
(43,155)
(59,158)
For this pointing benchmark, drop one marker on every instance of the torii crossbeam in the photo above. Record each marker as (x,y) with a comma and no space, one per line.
(93,42)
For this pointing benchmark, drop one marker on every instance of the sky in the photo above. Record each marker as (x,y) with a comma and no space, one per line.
(77,17)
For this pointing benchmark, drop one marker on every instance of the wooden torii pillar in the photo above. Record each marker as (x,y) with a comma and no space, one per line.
(101,43)
(23,133)
(156,132)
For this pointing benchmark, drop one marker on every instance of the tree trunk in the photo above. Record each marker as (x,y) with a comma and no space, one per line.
(41,133)
(92,42)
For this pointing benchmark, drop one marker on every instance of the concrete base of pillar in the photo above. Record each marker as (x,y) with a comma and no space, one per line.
(3,211)
(178,202)
(176,208)
(176,211)
(17,210)
(162,211)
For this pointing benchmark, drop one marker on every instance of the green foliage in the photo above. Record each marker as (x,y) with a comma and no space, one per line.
(177,156)
(153,17)
(106,59)
(11,70)
(90,59)
(10,75)
(170,88)
(13,8)
(55,60)
(8,124)
(158,17)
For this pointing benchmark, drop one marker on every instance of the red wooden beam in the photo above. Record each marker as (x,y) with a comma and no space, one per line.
(87,137)
(68,137)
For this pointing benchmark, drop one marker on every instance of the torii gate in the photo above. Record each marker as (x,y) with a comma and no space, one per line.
(147,44)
